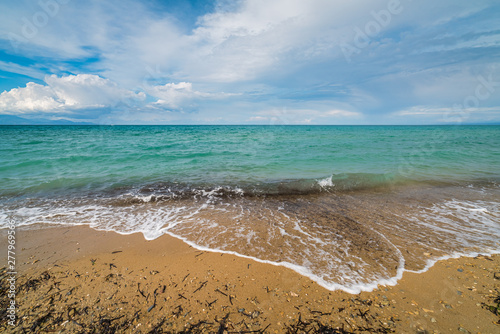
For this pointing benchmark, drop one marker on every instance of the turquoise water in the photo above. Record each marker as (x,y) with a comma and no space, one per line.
(339,204)
(56,158)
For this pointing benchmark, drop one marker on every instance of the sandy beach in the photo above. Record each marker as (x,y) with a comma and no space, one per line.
(78,280)
(249,166)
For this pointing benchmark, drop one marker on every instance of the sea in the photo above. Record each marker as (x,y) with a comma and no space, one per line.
(350,207)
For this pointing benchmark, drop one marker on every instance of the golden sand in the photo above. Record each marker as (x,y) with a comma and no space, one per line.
(78,280)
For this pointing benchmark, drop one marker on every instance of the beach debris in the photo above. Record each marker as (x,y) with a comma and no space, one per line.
(157,329)
(154,301)
(217,290)
(495,309)
(35,282)
(179,311)
(199,254)
(39,322)
(201,286)
(70,291)
(68,301)
(313,326)
(115,252)
(139,290)
(195,328)
(93,261)
(254,314)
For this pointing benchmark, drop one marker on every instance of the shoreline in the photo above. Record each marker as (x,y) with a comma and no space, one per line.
(138,286)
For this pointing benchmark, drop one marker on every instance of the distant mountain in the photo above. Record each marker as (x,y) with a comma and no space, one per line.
(16,120)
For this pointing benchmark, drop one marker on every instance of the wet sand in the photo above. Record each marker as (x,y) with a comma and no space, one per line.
(75,279)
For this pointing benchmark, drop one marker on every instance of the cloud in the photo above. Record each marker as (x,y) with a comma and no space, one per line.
(448,115)
(272,54)
(258,119)
(303,116)
(78,93)
(245,42)
(423,111)
(65,94)
(340,113)
(258,37)
(174,96)
(33,97)
(444,111)
(23,70)
(88,91)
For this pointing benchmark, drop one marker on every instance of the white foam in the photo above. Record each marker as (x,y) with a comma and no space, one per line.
(145,199)
(326,182)
(479,210)
(154,221)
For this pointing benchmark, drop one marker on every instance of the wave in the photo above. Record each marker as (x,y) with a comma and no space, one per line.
(342,249)
(352,242)
(167,192)
(335,184)
(159,189)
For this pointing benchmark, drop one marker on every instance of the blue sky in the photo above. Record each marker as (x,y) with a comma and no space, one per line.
(251,62)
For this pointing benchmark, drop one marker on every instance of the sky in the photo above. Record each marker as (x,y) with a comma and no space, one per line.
(250,61)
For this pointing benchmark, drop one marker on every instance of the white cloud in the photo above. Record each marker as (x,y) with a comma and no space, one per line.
(65,95)
(254,38)
(174,95)
(422,111)
(259,37)
(303,116)
(249,41)
(28,71)
(477,42)
(88,91)
(447,115)
(286,46)
(445,111)
(257,119)
(68,94)
(244,44)
(340,113)
(33,97)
